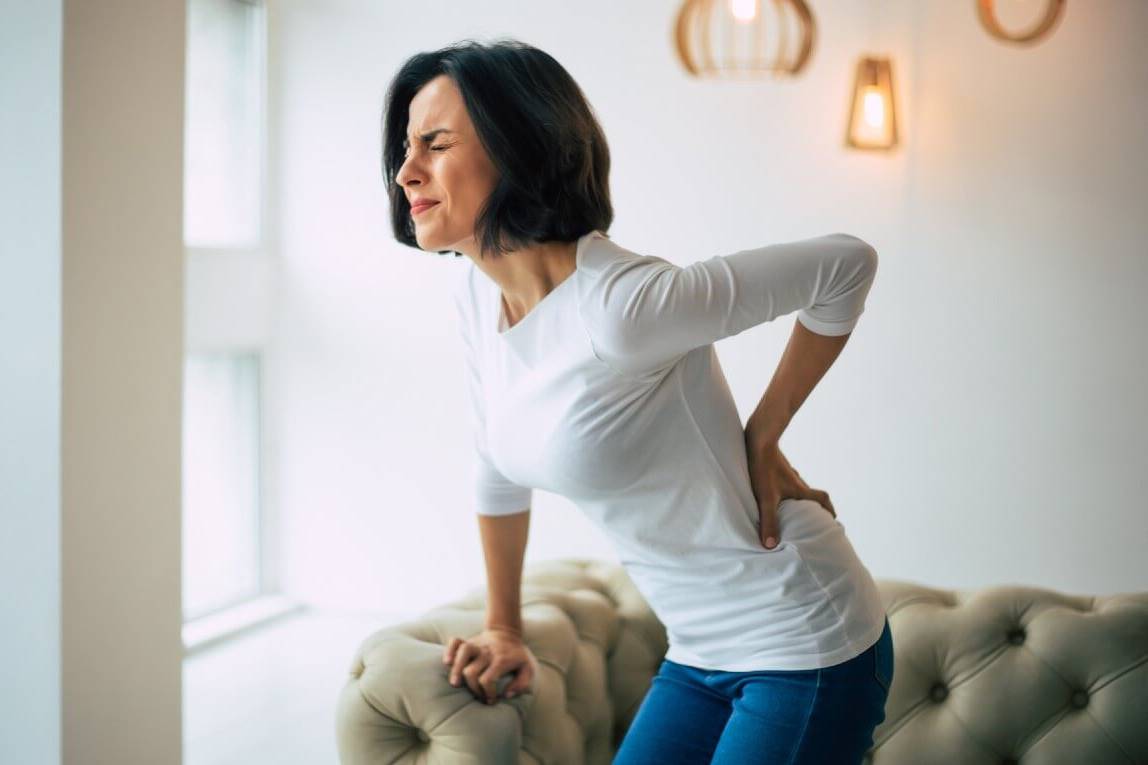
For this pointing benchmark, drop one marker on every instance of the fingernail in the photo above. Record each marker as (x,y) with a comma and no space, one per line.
(770,541)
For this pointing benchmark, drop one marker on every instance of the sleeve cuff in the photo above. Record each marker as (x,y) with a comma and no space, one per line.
(507,500)
(827,328)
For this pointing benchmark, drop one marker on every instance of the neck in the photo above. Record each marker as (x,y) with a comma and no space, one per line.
(528,275)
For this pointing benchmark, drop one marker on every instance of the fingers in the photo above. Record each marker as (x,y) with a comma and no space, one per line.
(456,652)
(488,682)
(464,654)
(817,495)
(770,533)
(448,653)
(475,665)
(521,681)
(822,498)
(472,670)
(469,662)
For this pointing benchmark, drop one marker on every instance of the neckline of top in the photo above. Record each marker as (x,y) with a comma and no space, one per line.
(500,326)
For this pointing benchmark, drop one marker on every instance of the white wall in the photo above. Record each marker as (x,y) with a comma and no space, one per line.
(1021,418)
(91,322)
(985,425)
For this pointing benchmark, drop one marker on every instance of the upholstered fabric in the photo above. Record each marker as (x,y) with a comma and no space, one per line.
(996,675)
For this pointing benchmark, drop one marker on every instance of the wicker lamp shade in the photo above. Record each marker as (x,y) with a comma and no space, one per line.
(873,112)
(730,38)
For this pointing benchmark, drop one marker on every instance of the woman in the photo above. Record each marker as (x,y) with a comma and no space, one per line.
(591,373)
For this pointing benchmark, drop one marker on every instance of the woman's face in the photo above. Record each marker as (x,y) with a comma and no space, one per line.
(450,167)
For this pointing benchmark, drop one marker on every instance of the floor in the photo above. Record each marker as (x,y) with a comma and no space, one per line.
(269,694)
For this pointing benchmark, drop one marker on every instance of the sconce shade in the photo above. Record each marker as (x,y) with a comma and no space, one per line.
(873,113)
(987,12)
(728,38)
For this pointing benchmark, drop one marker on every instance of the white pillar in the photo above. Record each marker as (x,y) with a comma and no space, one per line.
(91,353)
(30,35)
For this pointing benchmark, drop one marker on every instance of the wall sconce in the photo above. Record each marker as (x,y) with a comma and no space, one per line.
(1053,10)
(737,28)
(873,114)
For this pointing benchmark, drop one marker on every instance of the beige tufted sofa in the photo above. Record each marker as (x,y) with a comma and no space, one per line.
(998,675)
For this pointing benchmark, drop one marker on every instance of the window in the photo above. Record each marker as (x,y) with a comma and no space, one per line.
(221,486)
(223,128)
(229,580)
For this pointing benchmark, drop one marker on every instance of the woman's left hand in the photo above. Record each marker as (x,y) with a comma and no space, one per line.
(774,479)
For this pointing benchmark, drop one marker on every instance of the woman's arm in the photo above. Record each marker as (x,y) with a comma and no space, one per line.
(504,547)
(806,358)
(643,313)
(503,507)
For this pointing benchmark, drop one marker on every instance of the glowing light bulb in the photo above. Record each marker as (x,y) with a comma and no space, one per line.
(743,11)
(873,107)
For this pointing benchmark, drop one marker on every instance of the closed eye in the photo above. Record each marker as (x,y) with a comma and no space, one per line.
(407,149)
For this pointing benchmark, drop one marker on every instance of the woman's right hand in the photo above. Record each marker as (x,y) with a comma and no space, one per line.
(483,658)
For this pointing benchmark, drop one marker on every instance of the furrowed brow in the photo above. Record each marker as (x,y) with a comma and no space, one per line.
(429,135)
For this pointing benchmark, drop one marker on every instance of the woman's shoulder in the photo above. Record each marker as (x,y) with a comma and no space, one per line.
(611,271)
(602,253)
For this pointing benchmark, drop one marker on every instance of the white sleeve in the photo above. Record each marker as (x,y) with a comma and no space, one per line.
(643,313)
(494,494)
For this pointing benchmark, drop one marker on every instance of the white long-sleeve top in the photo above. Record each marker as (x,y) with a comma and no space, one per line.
(609,392)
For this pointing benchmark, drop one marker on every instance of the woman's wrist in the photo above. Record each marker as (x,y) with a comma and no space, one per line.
(504,628)
(762,431)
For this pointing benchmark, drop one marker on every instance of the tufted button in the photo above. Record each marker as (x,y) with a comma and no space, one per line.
(1079,699)
(422,735)
(938,692)
(1016,636)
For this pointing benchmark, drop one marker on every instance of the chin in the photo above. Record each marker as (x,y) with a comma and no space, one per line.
(429,242)
(435,241)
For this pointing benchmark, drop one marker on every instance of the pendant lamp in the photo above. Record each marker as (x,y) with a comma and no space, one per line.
(987,11)
(744,38)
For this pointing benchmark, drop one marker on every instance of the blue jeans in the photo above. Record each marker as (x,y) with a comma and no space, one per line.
(781,717)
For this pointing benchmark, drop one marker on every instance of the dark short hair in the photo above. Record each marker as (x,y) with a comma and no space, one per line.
(536,126)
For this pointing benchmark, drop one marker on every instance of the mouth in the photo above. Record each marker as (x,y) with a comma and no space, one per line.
(420,208)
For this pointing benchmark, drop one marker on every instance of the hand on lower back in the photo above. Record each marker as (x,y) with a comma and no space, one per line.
(774,479)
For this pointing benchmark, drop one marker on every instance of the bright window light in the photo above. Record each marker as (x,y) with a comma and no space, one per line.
(223,133)
(221,486)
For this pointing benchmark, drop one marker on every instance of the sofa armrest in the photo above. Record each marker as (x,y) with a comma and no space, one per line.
(595,641)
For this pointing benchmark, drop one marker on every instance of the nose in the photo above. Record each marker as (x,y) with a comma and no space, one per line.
(408,173)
